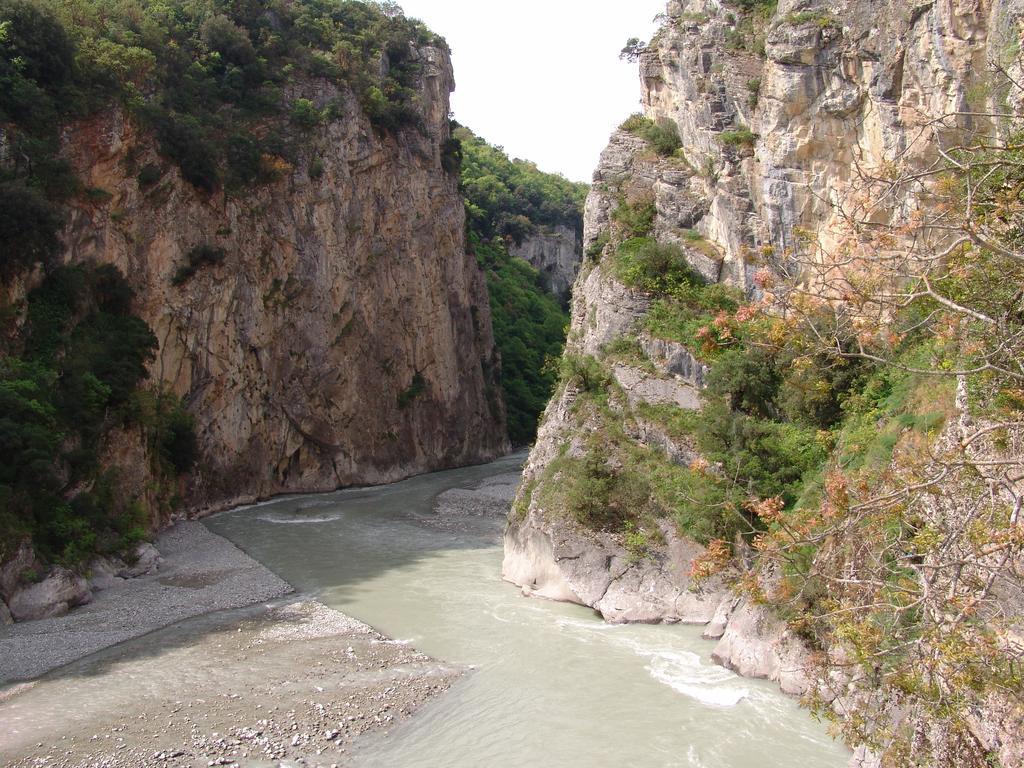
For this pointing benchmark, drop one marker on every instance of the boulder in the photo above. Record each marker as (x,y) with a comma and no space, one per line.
(5,614)
(716,627)
(103,573)
(640,387)
(146,560)
(53,596)
(559,560)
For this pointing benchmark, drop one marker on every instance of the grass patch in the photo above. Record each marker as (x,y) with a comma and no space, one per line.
(741,137)
(416,387)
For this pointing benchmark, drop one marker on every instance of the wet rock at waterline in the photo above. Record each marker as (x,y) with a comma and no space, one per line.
(561,561)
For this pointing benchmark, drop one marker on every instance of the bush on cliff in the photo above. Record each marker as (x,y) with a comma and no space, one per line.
(529,329)
(663,136)
(77,378)
(501,193)
(199,73)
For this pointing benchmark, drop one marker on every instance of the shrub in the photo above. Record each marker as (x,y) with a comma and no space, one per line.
(740,137)
(197,258)
(53,176)
(177,441)
(305,114)
(596,248)
(584,372)
(149,175)
(754,89)
(245,160)
(451,156)
(635,217)
(663,136)
(655,267)
(766,458)
(29,227)
(184,141)
(416,388)
(601,496)
(635,123)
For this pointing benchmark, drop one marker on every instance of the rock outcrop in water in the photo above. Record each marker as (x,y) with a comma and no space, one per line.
(777,116)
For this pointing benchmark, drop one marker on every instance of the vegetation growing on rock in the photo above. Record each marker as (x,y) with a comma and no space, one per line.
(506,202)
(529,329)
(76,380)
(512,198)
(855,462)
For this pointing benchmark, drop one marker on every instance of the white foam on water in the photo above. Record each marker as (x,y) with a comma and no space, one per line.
(282,518)
(684,672)
(594,626)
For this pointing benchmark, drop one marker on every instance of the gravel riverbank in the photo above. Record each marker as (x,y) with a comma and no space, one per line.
(292,684)
(272,681)
(201,572)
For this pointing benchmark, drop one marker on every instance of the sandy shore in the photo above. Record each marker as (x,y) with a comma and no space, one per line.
(201,572)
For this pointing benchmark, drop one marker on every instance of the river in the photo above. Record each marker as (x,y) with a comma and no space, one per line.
(551,684)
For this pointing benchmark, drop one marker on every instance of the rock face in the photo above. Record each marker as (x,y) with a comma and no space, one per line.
(754,643)
(53,596)
(775,128)
(560,561)
(344,338)
(556,254)
(555,558)
(839,85)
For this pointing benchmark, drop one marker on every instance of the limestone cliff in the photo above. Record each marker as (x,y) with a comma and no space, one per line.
(778,116)
(556,254)
(345,335)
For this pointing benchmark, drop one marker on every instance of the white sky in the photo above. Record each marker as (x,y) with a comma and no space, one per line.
(542,78)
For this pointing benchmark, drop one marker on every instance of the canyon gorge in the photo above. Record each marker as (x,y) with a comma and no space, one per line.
(253,265)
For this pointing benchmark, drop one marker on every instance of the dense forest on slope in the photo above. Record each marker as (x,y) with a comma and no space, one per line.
(211,81)
(507,201)
(513,198)
(209,78)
